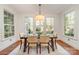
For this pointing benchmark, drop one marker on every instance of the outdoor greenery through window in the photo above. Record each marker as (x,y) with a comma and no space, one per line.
(40,26)
(46,25)
(69,24)
(30,25)
(8,24)
(49,25)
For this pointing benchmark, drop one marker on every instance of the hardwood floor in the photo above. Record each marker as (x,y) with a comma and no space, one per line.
(9,49)
(67,47)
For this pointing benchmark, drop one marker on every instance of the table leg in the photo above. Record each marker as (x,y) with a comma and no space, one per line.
(52,44)
(25,43)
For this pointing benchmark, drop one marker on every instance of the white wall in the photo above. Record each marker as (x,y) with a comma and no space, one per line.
(5,42)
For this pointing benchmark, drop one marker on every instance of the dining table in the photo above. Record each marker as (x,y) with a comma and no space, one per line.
(48,39)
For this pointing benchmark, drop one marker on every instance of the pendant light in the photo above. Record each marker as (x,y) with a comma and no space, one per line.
(39,17)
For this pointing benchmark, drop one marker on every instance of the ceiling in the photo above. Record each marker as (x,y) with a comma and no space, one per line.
(46,8)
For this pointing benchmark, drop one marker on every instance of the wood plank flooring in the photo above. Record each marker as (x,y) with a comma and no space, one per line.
(9,49)
(67,47)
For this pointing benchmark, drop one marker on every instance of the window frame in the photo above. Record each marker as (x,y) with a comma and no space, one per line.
(52,19)
(10,24)
(42,26)
(65,24)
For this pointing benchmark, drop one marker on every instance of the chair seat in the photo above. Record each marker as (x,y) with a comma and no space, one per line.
(32,45)
(42,45)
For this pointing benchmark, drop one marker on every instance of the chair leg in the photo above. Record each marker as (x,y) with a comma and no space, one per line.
(28,48)
(37,48)
(55,44)
(40,48)
(48,48)
(20,44)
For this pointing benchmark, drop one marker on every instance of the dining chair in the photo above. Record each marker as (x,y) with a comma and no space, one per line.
(53,41)
(32,42)
(44,42)
(21,35)
(55,37)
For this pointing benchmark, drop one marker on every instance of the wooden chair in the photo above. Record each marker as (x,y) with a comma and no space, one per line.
(55,36)
(21,35)
(44,42)
(32,42)
(53,40)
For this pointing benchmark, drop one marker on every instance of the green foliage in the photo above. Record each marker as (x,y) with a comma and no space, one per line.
(68,24)
(38,31)
(8,24)
(29,30)
(70,33)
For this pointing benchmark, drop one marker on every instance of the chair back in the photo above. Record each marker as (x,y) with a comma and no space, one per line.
(44,39)
(32,39)
(21,35)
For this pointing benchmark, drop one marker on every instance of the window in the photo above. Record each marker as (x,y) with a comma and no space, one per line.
(39,26)
(49,25)
(29,21)
(69,24)
(8,24)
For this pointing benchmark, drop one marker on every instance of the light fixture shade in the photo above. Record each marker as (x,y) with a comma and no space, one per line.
(39,17)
